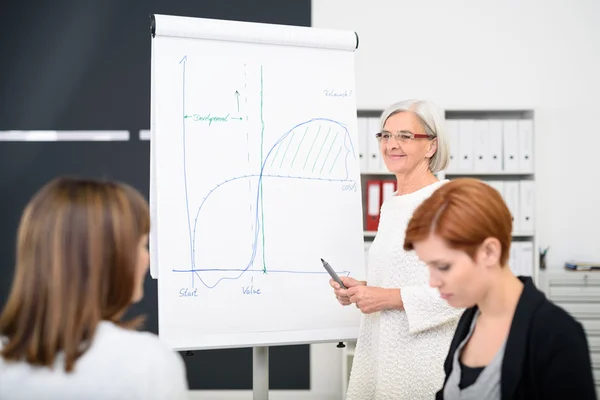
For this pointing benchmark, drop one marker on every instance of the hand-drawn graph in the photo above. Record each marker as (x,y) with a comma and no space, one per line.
(316,150)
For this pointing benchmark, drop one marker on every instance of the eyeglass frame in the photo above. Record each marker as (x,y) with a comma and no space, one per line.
(379,136)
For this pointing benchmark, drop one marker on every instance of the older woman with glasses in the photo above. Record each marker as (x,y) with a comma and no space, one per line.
(406,327)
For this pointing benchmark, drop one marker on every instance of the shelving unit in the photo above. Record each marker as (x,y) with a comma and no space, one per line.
(509,143)
(506,136)
(578,292)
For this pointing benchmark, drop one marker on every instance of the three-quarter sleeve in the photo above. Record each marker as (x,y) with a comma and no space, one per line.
(425,309)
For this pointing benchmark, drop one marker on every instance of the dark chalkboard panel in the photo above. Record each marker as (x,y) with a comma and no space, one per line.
(85,65)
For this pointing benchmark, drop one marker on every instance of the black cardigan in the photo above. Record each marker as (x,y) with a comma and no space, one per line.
(546,354)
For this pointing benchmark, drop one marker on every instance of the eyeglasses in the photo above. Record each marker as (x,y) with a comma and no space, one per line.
(402,136)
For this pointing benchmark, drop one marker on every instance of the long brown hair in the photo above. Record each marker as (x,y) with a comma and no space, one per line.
(76,264)
(463,212)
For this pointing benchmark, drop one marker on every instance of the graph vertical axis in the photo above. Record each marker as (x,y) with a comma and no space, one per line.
(187,205)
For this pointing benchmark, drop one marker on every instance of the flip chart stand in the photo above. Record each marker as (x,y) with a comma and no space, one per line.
(260,373)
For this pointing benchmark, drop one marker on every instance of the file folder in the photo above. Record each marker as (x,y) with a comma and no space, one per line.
(452,132)
(510,139)
(495,138)
(481,138)
(526,206)
(363,143)
(375,163)
(525,127)
(466,144)
(511,197)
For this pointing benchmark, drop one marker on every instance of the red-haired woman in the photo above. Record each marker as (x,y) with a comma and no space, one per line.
(511,342)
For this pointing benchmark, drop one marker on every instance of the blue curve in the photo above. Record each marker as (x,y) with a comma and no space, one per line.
(260,177)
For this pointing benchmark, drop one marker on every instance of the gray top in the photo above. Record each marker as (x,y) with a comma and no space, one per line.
(487,385)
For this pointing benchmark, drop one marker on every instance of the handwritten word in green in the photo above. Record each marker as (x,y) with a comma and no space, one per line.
(210,118)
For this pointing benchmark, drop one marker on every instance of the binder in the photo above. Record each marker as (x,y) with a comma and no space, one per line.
(525,127)
(375,163)
(511,197)
(465,146)
(510,141)
(526,206)
(524,254)
(452,132)
(481,150)
(495,143)
(363,143)
(373,204)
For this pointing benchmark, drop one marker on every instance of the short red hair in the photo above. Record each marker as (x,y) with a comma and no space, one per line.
(463,212)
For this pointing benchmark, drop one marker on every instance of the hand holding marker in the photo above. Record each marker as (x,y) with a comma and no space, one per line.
(334,276)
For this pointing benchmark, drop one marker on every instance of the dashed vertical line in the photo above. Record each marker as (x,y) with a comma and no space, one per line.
(248,145)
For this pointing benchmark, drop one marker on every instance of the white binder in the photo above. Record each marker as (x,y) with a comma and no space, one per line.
(452,133)
(526,145)
(495,143)
(526,206)
(481,139)
(524,258)
(363,143)
(375,163)
(510,139)
(511,197)
(466,144)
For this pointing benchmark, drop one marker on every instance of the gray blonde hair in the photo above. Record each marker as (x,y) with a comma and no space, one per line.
(430,117)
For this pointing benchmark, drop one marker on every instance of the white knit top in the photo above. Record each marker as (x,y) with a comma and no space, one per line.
(400,354)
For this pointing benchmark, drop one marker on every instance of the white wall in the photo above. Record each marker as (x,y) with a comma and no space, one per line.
(484,54)
(490,54)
